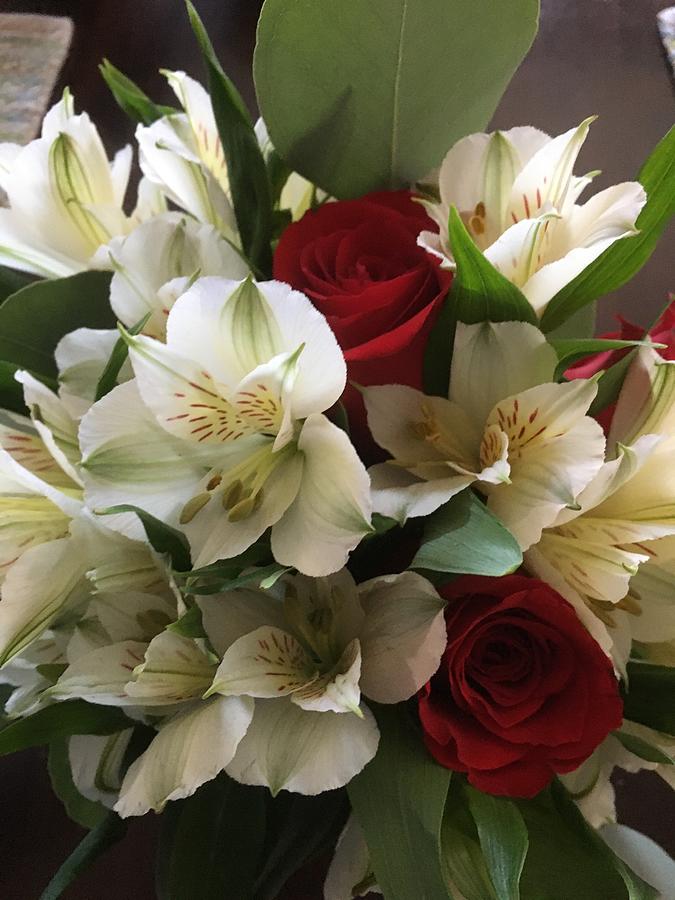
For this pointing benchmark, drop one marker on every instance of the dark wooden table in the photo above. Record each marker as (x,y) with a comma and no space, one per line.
(591,56)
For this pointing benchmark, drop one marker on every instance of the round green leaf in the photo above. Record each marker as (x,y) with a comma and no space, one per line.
(366,94)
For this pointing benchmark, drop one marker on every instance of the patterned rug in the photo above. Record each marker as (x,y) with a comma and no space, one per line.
(32,51)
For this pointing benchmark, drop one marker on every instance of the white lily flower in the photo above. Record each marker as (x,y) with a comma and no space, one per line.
(623,520)
(523,440)
(222,432)
(516,194)
(156,262)
(307,658)
(182,154)
(65,197)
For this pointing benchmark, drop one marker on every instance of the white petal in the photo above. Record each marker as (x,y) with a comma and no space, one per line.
(190,749)
(96,764)
(331,512)
(81,356)
(174,669)
(350,864)
(229,616)
(646,858)
(646,403)
(287,748)
(399,495)
(101,675)
(337,691)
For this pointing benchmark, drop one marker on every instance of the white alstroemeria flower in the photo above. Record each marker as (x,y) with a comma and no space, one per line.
(590,784)
(96,764)
(222,432)
(350,873)
(306,656)
(297,194)
(516,194)
(155,263)
(81,357)
(27,673)
(623,519)
(523,440)
(65,197)
(182,154)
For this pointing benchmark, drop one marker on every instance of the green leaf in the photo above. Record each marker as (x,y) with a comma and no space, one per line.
(130,98)
(85,812)
(570,350)
(462,858)
(610,384)
(12,281)
(246,169)
(108,832)
(34,320)
(636,888)
(649,696)
(213,842)
(464,537)
(561,863)
(264,577)
(361,95)
(398,800)
(503,840)
(58,721)
(302,826)
(581,325)
(641,748)
(163,537)
(118,357)
(625,257)
(190,624)
(479,293)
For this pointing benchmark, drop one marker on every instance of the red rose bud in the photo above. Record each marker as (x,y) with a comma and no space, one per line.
(663,332)
(523,691)
(359,263)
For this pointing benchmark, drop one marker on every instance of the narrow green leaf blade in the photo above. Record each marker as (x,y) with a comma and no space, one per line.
(464,537)
(399,799)
(34,320)
(118,357)
(638,747)
(462,858)
(247,172)
(109,831)
(130,98)
(362,95)
(649,696)
(12,281)
(163,537)
(572,350)
(503,840)
(624,258)
(81,810)
(61,720)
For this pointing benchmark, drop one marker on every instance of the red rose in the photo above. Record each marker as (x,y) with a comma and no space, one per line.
(523,691)
(359,263)
(663,332)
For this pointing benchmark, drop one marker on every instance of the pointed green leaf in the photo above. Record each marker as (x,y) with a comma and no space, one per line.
(12,281)
(503,840)
(247,172)
(624,258)
(649,696)
(130,98)
(638,747)
(463,861)
(163,537)
(571,350)
(464,537)
(61,720)
(398,800)
(361,95)
(118,357)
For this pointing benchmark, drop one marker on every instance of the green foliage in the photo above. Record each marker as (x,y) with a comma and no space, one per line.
(12,281)
(58,721)
(81,810)
(649,696)
(246,169)
(571,350)
(624,258)
(398,800)
(118,357)
(163,537)
(479,293)
(211,843)
(130,98)
(464,537)
(109,831)
(462,858)
(34,320)
(503,840)
(644,750)
(360,95)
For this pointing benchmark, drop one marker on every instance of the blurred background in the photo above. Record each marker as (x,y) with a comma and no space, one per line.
(591,57)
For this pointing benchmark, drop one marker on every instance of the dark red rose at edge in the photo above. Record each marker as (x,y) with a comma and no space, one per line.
(523,691)
(359,263)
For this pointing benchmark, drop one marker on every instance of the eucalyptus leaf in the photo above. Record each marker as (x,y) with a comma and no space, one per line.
(34,320)
(109,831)
(130,98)
(361,95)
(649,696)
(464,537)
(625,257)
(85,812)
(213,843)
(503,840)
(163,537)
(246,169)
(61,720)
(398,800)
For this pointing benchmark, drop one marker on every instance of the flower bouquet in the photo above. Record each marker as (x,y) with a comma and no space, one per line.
(329,531)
